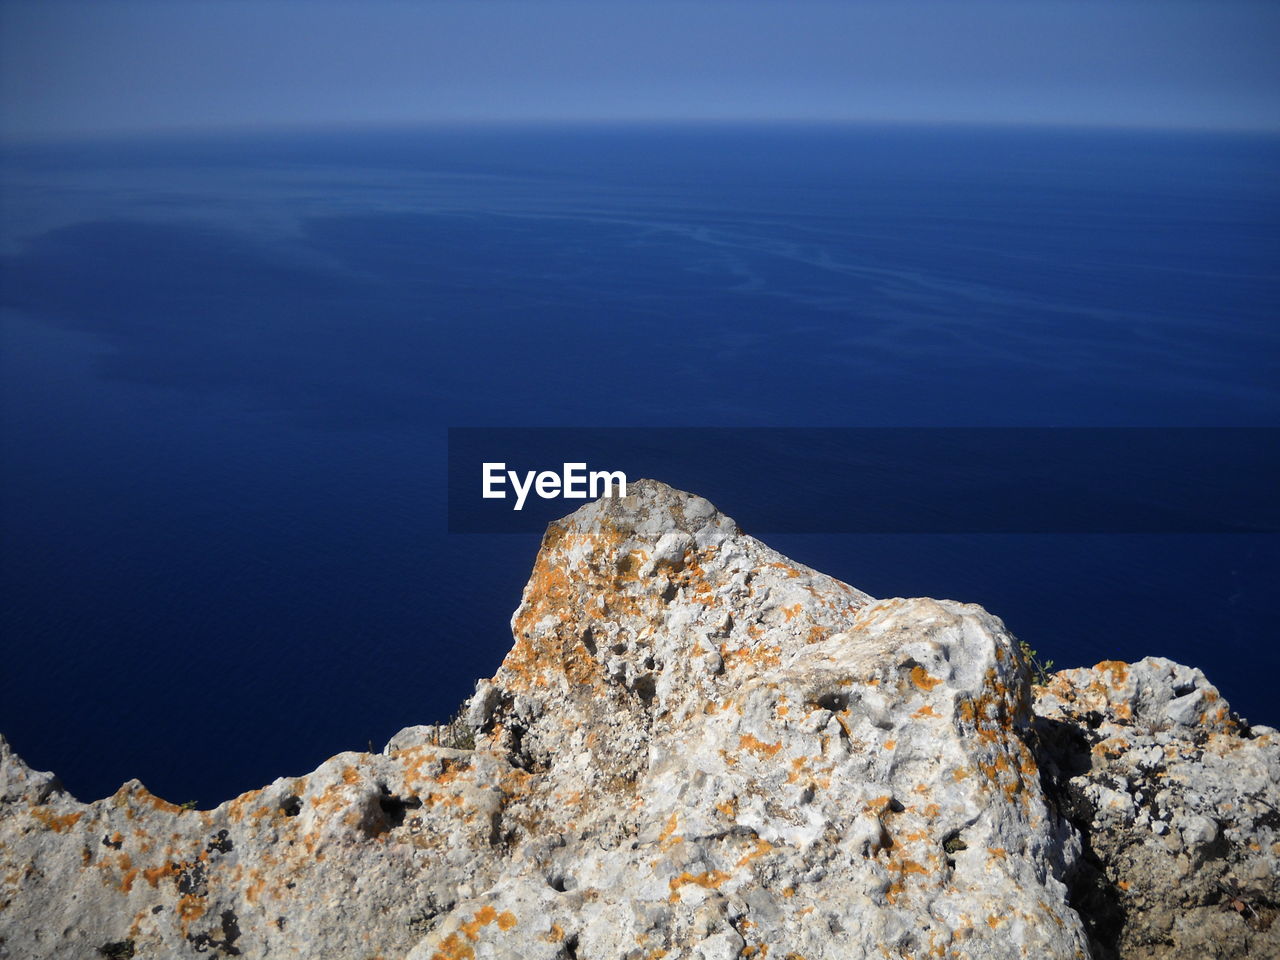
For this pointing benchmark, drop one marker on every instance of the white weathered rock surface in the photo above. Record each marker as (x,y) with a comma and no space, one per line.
(695,748)
(1178,800)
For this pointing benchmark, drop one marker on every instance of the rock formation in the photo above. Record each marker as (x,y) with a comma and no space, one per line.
(698,748)
(1178,800)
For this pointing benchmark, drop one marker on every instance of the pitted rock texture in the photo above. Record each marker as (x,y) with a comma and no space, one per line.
(695,748)
(1178,801)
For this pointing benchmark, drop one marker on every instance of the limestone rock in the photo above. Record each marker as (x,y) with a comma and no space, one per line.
(695,748)
(1178,799)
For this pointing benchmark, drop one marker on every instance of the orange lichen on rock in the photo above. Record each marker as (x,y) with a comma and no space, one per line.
(761,749)
(797,769)
(878,806)
(257,884)
(139,794)
(153,875)
(485,916)
(190,909)
(922,679)
(903,869)
(710,879)
(54,822)
(758,658)
(1112,747)
(1118,669)
(668,838)
(454,948)
(451,769)
(762,847)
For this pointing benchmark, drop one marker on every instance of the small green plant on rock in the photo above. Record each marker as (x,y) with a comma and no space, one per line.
(1041,670)
(455,733)
(188,805)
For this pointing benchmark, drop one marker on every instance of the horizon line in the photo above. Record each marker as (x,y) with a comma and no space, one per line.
(106,136)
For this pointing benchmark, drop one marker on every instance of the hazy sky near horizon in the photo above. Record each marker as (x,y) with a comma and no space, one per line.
(69,67)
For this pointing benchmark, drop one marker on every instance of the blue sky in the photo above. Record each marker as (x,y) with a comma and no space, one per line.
(69,67)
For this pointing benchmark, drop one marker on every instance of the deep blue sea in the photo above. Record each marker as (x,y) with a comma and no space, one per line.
(229,365)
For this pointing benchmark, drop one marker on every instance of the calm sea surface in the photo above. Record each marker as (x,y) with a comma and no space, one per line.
(229,364)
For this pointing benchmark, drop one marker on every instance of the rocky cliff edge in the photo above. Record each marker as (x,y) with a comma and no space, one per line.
(699,748)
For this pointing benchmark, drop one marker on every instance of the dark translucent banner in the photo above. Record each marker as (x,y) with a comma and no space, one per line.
(885,480)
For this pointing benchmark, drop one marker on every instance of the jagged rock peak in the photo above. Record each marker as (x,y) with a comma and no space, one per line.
(696,748)
(641,610)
